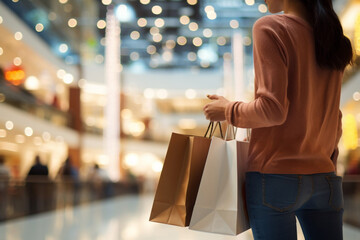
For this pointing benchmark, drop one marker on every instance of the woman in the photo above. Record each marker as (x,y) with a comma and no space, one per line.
(299,60)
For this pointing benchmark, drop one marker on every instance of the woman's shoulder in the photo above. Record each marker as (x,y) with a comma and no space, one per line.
(270,21)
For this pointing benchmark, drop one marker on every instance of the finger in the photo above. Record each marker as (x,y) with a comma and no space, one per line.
(213,97)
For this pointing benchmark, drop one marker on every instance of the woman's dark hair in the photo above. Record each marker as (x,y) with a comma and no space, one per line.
(333,49)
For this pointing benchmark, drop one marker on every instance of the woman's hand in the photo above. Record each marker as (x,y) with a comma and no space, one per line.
(215,111)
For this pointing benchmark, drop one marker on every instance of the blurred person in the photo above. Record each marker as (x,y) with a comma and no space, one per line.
(5,176)
(38,187)
(299,60)
(69,177)
(100,181)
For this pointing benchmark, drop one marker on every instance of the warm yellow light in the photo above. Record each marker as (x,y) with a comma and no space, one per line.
(167,56)
(17,61)
(134,56)
(145,2)
(156,9)
(181,40)
(63,1)
(157,37)
(159,22)
(234,24)
(101,24)
(247,41)
(9,125)
(142,22)
(2,133)
(39,27)
(1,20)
(135,35)
(192,2)
(250,2)
(207,32)
(154,30)
(263,8)
(184,20)
(197,41)
(212,15)
(221,41)
(190,93)
(28,131)
(72,22)
(106,2)
(1,51)
(357,35)
(209,8)
(151,49)
(18,36)
(170,44)
(193,26)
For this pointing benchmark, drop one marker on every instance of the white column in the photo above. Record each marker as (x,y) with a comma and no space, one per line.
(112,108)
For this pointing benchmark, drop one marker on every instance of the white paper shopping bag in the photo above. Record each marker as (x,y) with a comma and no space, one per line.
(220,203)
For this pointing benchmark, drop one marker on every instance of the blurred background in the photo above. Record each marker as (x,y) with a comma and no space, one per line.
(91,90)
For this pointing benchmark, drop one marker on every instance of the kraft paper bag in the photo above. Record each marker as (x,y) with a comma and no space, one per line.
(180,179)
(220,206)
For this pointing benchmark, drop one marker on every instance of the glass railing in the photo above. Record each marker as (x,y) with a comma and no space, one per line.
(22,99)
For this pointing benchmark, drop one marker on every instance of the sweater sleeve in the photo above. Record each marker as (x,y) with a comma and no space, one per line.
(271,104)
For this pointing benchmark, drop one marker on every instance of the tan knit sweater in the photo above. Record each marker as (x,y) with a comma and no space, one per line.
(295,116)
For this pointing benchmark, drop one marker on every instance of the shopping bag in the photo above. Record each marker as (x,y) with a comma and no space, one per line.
(220,205)
(180,178)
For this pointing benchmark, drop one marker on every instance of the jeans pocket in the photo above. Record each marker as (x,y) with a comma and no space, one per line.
(281,192)
(336,199)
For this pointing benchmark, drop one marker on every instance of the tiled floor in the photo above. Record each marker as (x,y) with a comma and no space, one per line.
(124,218)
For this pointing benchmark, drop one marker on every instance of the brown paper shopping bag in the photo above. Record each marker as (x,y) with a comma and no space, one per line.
(180,178)
(220,205)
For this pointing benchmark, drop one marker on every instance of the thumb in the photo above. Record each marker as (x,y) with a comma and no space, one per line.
(213,97)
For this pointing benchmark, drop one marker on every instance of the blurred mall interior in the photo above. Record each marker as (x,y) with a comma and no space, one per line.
(91,90)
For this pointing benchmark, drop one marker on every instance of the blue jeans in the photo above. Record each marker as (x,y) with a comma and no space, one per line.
(273,201)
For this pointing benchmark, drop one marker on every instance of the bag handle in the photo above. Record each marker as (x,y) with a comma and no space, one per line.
(248,132)
(212,129)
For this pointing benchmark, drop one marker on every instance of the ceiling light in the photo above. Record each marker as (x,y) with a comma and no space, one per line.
(142,22)
(234,24)
(72,22)
(135,35)
(157,37)
(28,131)
(250,2)
(211,15)
(193,26)
(134,56)
(181,40)
(184,20)
(156,10)
(192,2)
(17,61)
(207,32)
(197,41)
(39,27)
(101,24)
(63,48)
(262,8)
(106,2)
(68,78)
(32,83)
(209,8)
(18,36)
(221,41)
(63,1)
(151,49)
(145,2)
(159,22)
(247,41)
(154,30)
(9,125)
(170,44)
